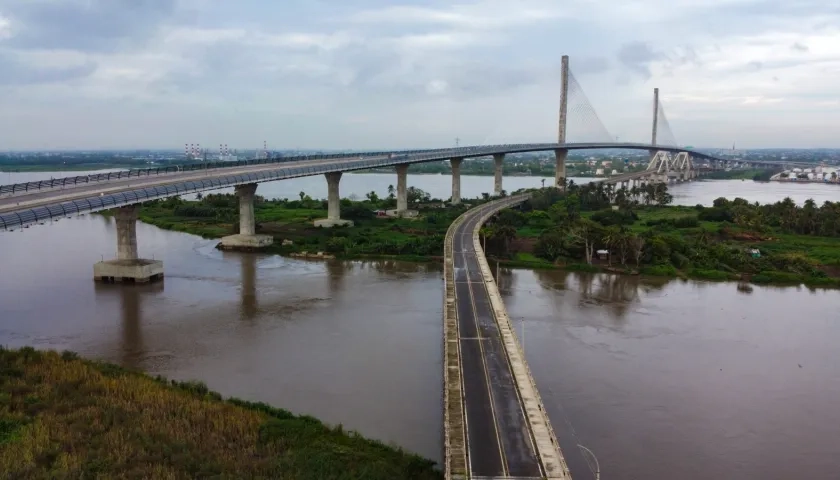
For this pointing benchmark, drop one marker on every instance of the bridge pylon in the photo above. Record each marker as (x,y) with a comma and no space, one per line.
(560,154)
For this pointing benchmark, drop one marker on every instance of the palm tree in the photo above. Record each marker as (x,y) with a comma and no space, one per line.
(390,190)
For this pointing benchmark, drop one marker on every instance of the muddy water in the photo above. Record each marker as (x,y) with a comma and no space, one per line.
(357,343)
(673,380)
(683,379)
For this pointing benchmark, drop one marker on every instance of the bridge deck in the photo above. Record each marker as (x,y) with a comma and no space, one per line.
(57,200)
(496,426)
(498,437)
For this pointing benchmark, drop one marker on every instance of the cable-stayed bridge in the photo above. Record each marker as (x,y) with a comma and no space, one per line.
(521,442)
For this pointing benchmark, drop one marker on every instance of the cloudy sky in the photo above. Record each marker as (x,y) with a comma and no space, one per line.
(411,73)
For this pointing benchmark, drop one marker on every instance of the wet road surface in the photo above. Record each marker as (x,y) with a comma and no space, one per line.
(498,436)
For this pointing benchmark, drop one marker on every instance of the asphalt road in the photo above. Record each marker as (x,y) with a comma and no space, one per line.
(58,195)
(498,438)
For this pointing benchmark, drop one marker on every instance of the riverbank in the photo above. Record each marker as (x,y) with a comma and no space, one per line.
(732,241)
(80,167)
(61,416)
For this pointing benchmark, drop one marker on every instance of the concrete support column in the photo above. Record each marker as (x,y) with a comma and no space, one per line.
(455,164)
(498,159)
(333,196)
(560,168)
(333,203)
(246,239)
(128,266)
(247,223)
(126,218)
(402,188)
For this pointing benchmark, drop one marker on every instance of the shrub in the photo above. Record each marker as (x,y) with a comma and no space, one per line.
(660,270)
(614,217)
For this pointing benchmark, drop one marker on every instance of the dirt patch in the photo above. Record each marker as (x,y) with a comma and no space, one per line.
(744,236)
(830,270)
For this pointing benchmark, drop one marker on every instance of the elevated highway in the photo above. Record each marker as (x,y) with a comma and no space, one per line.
(34,202)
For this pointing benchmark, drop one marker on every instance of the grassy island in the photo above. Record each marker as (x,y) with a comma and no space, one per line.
(63,417)
(291,224)
(639,230)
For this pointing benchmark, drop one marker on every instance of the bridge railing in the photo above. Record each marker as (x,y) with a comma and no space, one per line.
(93,203)
(417,156)
(62,182)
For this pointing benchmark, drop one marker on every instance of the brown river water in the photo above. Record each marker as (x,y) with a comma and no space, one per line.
(661,379)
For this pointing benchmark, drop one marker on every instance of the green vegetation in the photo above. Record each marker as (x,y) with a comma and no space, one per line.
(639,233)
(637,227)
(757,174)
(214,216)
(63,417)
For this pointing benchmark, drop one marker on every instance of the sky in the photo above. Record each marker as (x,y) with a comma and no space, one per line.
(81,74)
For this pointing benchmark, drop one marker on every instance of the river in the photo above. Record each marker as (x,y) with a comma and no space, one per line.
(661,379)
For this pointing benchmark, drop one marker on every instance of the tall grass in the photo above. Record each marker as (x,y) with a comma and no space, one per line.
(62,417)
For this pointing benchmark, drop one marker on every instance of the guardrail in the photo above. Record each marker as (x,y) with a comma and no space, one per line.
(545,440)
(442,154)
(186,167)
(94,203)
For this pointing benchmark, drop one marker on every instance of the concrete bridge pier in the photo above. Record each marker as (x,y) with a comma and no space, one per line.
(455,165)
(402,193)
(247,238)
(333,203)
(498,159)
(127,267)
(560,168)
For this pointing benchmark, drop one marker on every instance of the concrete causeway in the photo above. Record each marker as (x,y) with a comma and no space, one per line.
(495,425)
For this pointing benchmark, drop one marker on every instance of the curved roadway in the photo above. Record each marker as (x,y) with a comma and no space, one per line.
(500,431)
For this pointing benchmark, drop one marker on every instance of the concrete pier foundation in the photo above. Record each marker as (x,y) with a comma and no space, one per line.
(455,164)
(246,239)
(333,203)
(127,267)
(498,160)
(560,168)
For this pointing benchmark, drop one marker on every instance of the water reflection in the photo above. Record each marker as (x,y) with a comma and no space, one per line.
(305,335)
(248,288)
(132,348)
(336,272)
(657,376)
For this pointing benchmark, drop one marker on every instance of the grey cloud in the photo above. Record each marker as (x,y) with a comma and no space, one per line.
(94,25)
(15,72)
(358,68)
(586,65)
(637,56)
(755,66)
(799,47)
